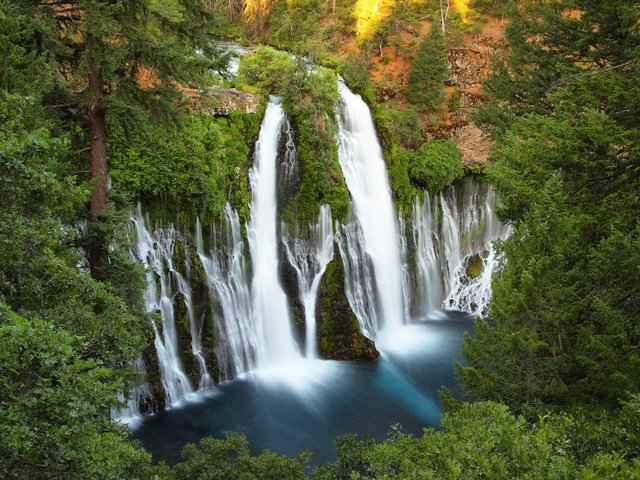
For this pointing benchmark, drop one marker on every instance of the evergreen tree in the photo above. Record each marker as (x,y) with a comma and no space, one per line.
(118,51)
(425,89)
(563,325)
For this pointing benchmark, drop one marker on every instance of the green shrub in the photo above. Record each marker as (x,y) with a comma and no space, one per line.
(268,69)
(433,165)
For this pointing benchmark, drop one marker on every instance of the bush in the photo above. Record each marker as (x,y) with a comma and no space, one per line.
(434,165)
(268,69)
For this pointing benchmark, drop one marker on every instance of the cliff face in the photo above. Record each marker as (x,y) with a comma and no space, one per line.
(467,66)
(469,56)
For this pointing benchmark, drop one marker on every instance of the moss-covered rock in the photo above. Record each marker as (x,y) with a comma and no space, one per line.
(310,107)
(473,266)
(339,337)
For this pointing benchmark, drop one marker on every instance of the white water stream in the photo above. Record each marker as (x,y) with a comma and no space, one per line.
(366,177)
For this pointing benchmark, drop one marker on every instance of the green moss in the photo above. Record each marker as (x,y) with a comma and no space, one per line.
(474,266)
(338,331)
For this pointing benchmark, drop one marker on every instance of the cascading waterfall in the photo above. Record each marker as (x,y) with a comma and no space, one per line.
(429,288)
(156,254)
(276,343)
(479,227)
(358,274)
(309,258)
(446,249)
(236,335)
(405,267)
(138,395)
(195,329)
(366,177)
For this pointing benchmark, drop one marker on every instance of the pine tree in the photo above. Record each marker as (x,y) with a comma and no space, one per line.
(133,52)
(428,72)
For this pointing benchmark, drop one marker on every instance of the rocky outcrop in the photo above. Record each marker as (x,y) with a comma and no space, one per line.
(474,144)
(222,101)
(467,66)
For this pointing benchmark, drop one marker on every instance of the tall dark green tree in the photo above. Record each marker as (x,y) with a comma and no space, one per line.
(126,51)
(425,89)
(564,323)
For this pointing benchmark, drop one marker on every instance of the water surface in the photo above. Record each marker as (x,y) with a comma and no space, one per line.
(305,407)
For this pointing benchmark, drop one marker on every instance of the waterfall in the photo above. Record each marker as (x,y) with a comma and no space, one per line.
(358,274)
(407,287)
(236,336)
(429,288)
(276,343)
(449,237)
(156,255)
(447,251)
(309,258)
(366,177)
(479,227)
(139,394)
(195,329)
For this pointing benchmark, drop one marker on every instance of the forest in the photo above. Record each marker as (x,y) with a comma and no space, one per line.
(110,104)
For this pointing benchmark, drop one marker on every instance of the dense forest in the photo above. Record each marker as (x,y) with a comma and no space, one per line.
(107,103)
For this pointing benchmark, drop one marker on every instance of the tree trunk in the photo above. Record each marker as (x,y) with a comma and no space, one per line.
(98,162)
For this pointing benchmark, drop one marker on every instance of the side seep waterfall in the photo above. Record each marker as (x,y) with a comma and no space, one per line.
(140,394)
(310,257)
(453,234)
(156,253)
(230,297)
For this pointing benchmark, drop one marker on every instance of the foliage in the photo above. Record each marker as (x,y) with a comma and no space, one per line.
(294,24)
(230,459)
(191,169)
(563,326)
(405,125)
(40,235)
(425,89)
(434,165)
(479,440)
(551,43)
(268,69)
(54,408)
(310,104)
(309,99)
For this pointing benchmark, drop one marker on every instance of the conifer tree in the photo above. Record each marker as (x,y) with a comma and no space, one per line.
(428,72)
(133,52)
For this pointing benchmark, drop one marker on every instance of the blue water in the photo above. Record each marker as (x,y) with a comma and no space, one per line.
(309,408)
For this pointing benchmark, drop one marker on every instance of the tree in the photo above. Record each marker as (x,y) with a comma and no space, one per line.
(54,405)
(41,269)
(485,440)
(134,52)
(425,89)
(520,354)
(563,326)
(550,44)
(230,459)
